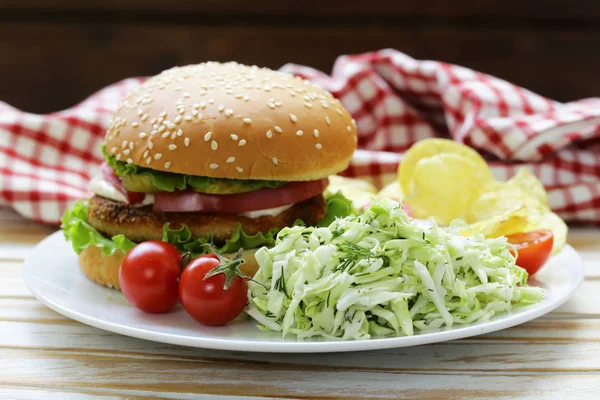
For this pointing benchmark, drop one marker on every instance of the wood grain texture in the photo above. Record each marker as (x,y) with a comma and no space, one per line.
(83,46)
(554,9)
(50,356)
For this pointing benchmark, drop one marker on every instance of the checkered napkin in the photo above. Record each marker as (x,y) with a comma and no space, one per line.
(47,160)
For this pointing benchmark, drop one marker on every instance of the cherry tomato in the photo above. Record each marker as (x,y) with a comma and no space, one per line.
(534,248)
(206,300)
(149,276)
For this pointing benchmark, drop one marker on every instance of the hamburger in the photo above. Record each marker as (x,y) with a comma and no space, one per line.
(218,153)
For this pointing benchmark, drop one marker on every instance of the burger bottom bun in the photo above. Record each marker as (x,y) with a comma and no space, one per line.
(104,270)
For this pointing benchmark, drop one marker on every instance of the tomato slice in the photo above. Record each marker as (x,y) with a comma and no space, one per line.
(534,249)
(109,174)
(190,201)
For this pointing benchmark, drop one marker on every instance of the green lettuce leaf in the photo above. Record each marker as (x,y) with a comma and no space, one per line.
(82,235)
(182,239)
(337,206)
(140,179)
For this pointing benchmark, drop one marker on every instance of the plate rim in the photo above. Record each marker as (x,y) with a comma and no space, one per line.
(298,346)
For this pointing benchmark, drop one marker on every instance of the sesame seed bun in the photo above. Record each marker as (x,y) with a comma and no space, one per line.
(104,270)
(233,121)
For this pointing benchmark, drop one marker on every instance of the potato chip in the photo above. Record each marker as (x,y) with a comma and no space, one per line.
(428,148)
(444,187)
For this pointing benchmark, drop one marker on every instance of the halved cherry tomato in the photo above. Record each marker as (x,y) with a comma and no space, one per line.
(149,276)
(533,248)
(216,299)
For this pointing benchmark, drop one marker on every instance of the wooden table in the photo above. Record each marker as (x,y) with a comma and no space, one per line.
(47,356)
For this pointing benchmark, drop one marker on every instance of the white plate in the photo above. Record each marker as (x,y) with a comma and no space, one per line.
(52,273)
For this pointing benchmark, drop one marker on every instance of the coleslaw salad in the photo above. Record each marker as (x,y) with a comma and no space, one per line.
(381,273)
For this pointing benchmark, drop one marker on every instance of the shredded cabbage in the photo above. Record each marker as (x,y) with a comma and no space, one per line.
(379,273)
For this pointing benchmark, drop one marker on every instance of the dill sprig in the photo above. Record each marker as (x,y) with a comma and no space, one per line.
(354,253)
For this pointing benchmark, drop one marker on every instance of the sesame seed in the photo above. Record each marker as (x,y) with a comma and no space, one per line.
(155,126)
(144,117)
(187,142)
(194,112)
(214,166)
(207,136)
(246,98)
(178,119)
(242,142)
(148,160)
(131,145)
(202,104)
(113,150)
(221,108)
(293,118)
(196,105)
(178,88)
(316,133)
(230,160)
(165,135)
(239,169)
(307,105)
(318,146)
(145,154)
(339,111)
(228,112)
(247,120)
(171,125)
(324,105)
(129,161)
(140,112)
(349,128)
(271,105)
(292,93)
(299,133)
(278,103)
(214,145)
(353,122)
(269,134)
(135,124)
(163,114)
(278,129)
(179,132)
(168,164)
(327,120)
(275,160)
(202,92)
(186,94)
(239,96)
(172,147)
(150,145)
(157,156)
(234,136)
(153,132)
(124,144)
(118,157)
(161,128)
(174,135)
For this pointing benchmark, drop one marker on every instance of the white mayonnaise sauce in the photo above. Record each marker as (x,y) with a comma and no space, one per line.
(104,188)
(268,211)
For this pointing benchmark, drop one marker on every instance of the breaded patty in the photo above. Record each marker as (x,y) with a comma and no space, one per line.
(142,223)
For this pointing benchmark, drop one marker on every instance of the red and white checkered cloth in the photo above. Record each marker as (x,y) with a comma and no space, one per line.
(47,160)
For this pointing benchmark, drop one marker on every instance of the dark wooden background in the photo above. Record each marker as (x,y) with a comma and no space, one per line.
(54,53)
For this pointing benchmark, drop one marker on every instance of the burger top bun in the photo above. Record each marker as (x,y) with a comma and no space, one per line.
(233,121)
